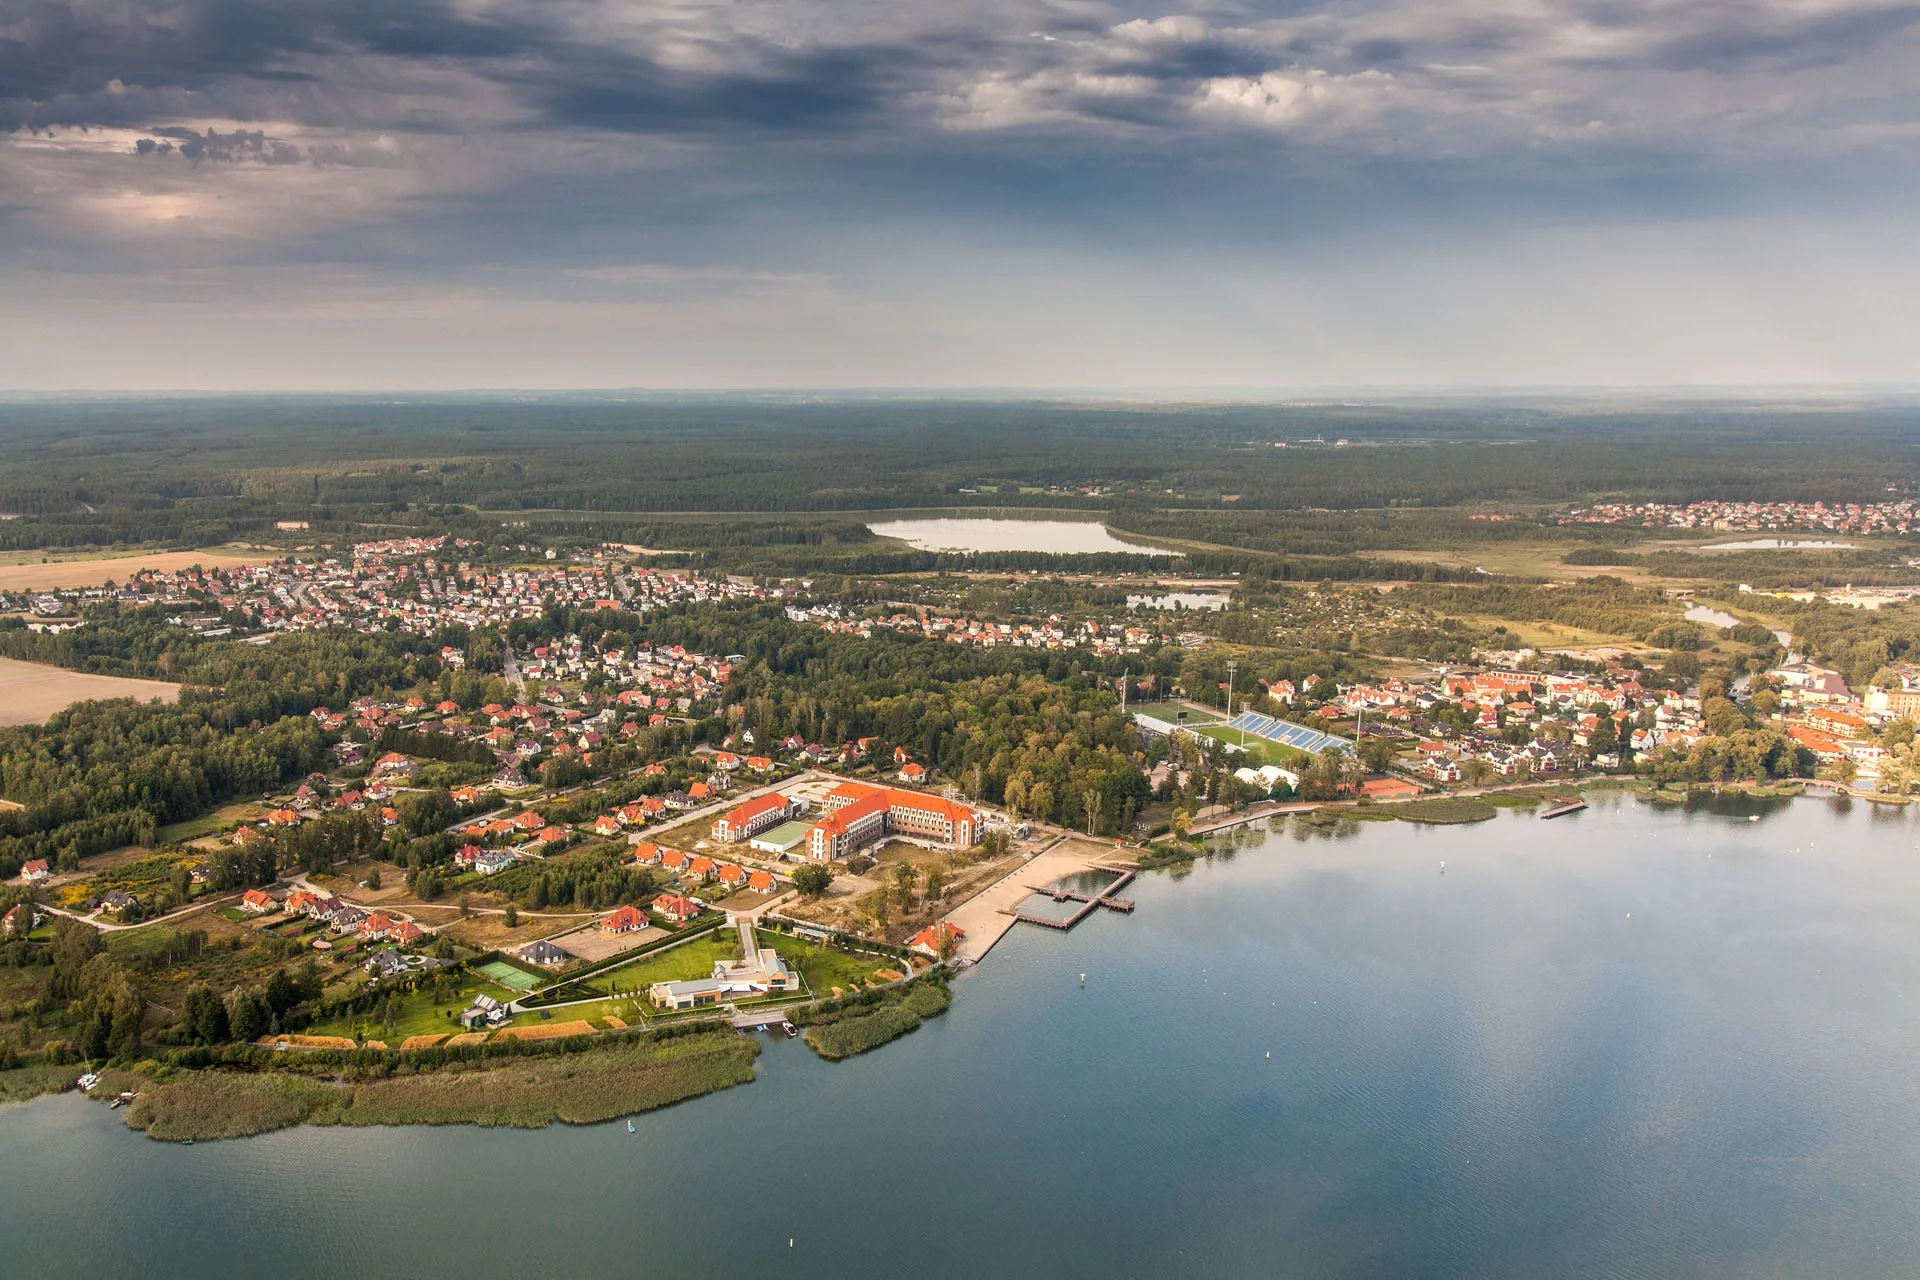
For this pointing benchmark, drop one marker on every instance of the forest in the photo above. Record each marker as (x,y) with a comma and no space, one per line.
(194,471)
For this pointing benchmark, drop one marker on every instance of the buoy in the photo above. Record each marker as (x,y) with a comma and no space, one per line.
(1629,915)
(1269,1055)
(1083,979)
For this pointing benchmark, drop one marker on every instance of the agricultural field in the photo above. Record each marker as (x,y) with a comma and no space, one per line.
(29,692)
(27,571)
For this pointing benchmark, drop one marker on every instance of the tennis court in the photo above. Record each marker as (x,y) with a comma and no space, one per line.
(508,976)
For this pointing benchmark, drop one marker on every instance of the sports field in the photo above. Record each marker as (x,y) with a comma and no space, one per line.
(508,976)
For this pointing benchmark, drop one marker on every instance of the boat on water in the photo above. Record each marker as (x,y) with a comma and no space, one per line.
(630,1126)
(89,1080)
(790,1029)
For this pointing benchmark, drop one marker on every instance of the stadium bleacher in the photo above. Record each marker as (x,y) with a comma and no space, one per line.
(1288,734)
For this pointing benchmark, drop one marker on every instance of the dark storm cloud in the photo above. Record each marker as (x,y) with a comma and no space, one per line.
(72,62)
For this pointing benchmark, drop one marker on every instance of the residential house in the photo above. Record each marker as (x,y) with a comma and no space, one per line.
(258,901)
(676,907)
(933,939)
(34,870)
(627,919)
(544,953)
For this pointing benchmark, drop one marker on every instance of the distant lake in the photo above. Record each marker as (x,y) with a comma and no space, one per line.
(1712,617)
(1206,600)
(1780,544)
(1634,1042)
(969,534)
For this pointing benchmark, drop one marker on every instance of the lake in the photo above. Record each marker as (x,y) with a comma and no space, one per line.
(971,534)
(1207,601)
(1721,618)
(1780,544)
(1627,1043)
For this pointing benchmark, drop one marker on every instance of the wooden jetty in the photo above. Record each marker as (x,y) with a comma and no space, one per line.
(1089,902)
(1562,810)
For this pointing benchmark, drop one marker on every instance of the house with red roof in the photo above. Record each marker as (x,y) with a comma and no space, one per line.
(627,919)
(34,870)
(930,940)
(676,907)
(258,901)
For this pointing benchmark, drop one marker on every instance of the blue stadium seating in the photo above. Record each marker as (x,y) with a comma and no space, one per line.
(1287,734)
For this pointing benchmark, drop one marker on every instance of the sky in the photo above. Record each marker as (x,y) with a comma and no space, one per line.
(397,194)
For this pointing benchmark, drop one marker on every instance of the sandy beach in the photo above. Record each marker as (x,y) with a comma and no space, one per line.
(982,918)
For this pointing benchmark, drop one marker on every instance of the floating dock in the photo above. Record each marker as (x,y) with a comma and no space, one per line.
(1089,902)
(1562,810)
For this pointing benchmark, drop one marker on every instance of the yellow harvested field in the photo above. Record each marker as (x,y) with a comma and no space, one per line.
(546,1031)
(889,975)
(467,1037)
(29,692)
(94,570)
(613,1023)
(422,1042)
(309,1042)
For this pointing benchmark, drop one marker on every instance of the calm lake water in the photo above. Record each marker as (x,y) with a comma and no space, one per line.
(1207,600)
(1059,537)
(1780,544)
(1628,1043)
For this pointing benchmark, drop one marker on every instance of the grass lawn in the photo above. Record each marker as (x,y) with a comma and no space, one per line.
(419,1014)
(823,967)
(633,1012)
(207,824)
(675,964)
(1259,751)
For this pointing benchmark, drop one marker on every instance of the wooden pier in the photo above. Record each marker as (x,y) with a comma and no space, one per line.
(1089,902)
(1562,810)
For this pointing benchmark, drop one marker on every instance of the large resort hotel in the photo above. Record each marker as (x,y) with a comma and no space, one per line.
(858,813)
